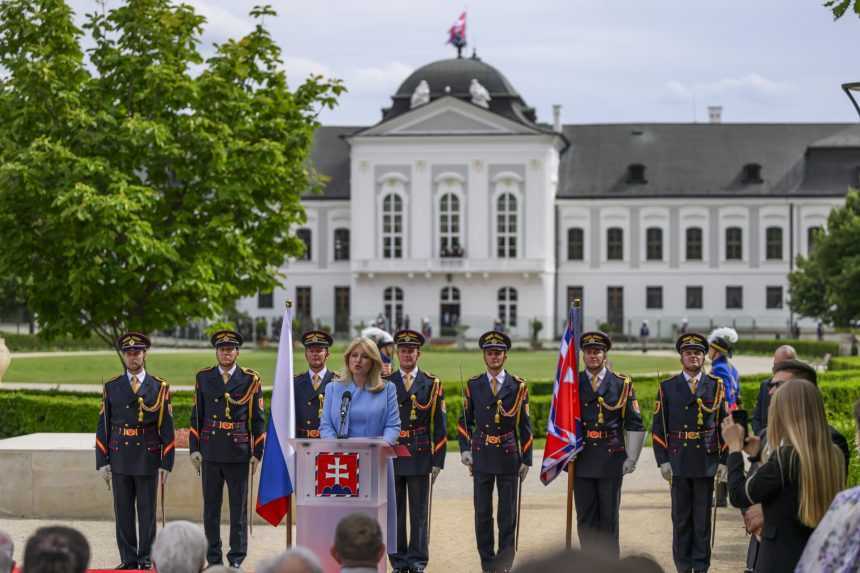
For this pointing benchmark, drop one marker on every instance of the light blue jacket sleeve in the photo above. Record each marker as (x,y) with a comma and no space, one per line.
(327,429)
(391,433)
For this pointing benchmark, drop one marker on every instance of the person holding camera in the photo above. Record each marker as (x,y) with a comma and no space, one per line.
(802,472)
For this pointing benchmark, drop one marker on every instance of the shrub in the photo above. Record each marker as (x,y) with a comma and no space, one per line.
(804,347)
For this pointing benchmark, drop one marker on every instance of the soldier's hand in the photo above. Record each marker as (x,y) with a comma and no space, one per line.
(666,471)
(434,473)
(466,458)
(162,475)
(197,461)
(629,466)
(106,474)
(524,471)
(722,473)
(254,463)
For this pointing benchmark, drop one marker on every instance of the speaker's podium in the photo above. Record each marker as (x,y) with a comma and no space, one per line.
(333,479)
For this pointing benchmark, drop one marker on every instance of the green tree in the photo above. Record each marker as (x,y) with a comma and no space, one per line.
(840,7)
(143,186)
(825,284)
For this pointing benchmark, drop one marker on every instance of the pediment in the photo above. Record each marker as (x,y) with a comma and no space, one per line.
(448,116)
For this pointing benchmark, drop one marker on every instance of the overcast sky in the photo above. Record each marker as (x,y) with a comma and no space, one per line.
(604,62)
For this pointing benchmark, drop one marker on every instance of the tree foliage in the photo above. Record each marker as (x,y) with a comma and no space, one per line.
(840,7)
(825,284)
(142,186)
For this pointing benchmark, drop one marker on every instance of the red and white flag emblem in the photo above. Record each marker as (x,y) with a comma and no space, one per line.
(337,474)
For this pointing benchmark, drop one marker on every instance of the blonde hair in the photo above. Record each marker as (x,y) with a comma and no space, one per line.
(375,383)
(796,418)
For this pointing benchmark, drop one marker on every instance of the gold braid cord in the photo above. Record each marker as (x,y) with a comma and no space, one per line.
(718,400)
(516,408)
(430,403)
(157,406)
(620,405)
(246,399)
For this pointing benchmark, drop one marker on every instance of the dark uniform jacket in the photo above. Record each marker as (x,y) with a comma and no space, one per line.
(131,445)
(426,435)
(498,444)
(221,437)
(309,403)
(694,449)
(603,452)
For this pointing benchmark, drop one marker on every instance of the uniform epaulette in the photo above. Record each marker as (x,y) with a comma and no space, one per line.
(621,375)
(202,370)
(114,379)
(161,381)
(476,377)
(335,376)
(430,375)
(519,379)
(714,377)
(249,371)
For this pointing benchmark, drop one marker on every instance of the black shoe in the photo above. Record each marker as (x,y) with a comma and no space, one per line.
(126,566)
(144,565)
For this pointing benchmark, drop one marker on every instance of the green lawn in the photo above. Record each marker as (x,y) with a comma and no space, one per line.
(179,368)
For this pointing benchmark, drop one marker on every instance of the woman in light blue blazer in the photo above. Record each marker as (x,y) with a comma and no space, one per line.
(373,412)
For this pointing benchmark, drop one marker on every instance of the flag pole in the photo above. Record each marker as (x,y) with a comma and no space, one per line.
(577,303)
(289,304)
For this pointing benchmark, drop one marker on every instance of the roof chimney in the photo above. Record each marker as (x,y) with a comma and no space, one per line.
(556,117)
(715,113)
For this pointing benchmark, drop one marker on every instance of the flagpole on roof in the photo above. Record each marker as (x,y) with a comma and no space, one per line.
(568,532)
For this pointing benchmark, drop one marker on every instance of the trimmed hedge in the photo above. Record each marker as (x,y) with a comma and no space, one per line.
(25,412)
(841,363)
(35,343)
(804,347)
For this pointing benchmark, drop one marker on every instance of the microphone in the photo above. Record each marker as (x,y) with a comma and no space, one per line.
(345,401)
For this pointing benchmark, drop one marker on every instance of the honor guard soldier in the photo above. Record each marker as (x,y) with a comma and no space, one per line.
(227,434)
(610,418)
(721,345)
(310,385)
(135,449)
(423,432)
(496,444)
(689,450)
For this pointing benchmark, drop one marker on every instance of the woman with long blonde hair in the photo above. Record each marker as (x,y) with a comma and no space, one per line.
(803,473)
(373,410)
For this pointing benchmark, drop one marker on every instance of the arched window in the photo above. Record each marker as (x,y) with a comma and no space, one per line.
(615,244)
(734,244)
(392,227)
(654,244)
(575,244)
(694,244)
(393,307)
(341,244)
(449,310)
(506,226)
(450,294)
(812,234)
(507,298)
(449,226)
(773,243)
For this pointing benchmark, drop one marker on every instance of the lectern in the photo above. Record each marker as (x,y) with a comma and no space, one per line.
(333,479)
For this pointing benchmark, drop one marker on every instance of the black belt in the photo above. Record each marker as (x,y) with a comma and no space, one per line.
(309,433)
(133,430)
(494,439)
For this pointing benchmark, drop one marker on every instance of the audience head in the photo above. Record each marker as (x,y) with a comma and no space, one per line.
(56,549)
(7,553)
(571,561)
(784,352)
(358,541)
(786,370)
(295,560)
(180,547)
(796,418)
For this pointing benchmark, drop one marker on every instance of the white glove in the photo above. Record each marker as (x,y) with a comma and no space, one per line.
(666,471)
(722,473)
(434,473)
(629,466)
(162,475)
(197,461)
(254,463)
(524,471)
(466,458)
(106,474)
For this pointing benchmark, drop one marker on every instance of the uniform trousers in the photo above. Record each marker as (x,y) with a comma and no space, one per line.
(235,475)
(691,523)
(597,503)
(506,518)
(414,491)
(128,491)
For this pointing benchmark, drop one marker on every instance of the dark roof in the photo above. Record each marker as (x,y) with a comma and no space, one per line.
(847,138)
(330,157)
(457,74)
(700,160)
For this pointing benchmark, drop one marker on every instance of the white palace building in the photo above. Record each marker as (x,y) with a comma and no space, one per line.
(459,206)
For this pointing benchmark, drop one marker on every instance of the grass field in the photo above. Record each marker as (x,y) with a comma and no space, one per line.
(179,368)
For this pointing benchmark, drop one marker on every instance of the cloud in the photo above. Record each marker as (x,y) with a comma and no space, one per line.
(378,79)
(299,68)
(221,24)
(752,86)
